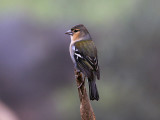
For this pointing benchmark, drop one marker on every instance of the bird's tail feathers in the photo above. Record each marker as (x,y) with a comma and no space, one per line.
(93,91)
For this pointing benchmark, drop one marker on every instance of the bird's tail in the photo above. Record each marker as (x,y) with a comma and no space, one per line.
(93,92)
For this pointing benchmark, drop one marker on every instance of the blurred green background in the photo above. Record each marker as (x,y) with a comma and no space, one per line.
(36,72)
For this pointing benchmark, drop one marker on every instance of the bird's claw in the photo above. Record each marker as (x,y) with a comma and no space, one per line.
(82,83)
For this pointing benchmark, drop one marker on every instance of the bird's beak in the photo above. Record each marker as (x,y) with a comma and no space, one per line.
(69,32)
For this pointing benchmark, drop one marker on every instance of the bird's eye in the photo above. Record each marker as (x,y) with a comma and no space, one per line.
(76,30)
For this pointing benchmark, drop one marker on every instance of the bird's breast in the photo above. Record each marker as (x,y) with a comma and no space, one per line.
(72,50)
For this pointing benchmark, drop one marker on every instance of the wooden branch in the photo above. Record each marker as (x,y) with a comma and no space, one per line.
(85,105)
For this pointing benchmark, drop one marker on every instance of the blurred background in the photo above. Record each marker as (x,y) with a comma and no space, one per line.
(36,72)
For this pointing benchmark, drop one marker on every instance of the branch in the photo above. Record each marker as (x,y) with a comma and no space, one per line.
(85,105)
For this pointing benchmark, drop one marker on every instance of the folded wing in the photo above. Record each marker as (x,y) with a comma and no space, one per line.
(86,58)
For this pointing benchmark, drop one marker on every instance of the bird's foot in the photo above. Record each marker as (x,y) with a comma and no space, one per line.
(82,83)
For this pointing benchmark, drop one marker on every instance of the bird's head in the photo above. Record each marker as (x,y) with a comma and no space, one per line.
(78,32)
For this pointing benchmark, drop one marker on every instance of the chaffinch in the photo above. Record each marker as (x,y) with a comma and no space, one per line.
(83,53)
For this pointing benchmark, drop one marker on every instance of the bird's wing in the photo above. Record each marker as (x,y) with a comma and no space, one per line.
(86,58)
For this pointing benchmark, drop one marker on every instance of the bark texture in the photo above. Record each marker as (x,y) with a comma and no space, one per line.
(86,110)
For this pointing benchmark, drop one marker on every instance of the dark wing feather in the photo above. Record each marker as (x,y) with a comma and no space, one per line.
(86,58)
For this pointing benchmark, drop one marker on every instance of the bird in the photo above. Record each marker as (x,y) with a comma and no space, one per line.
(83,53)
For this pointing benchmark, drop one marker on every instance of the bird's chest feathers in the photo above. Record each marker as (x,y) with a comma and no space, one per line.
(72,50)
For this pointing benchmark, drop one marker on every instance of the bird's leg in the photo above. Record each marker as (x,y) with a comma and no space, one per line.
(77,72)
(82,83)
(79,76)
